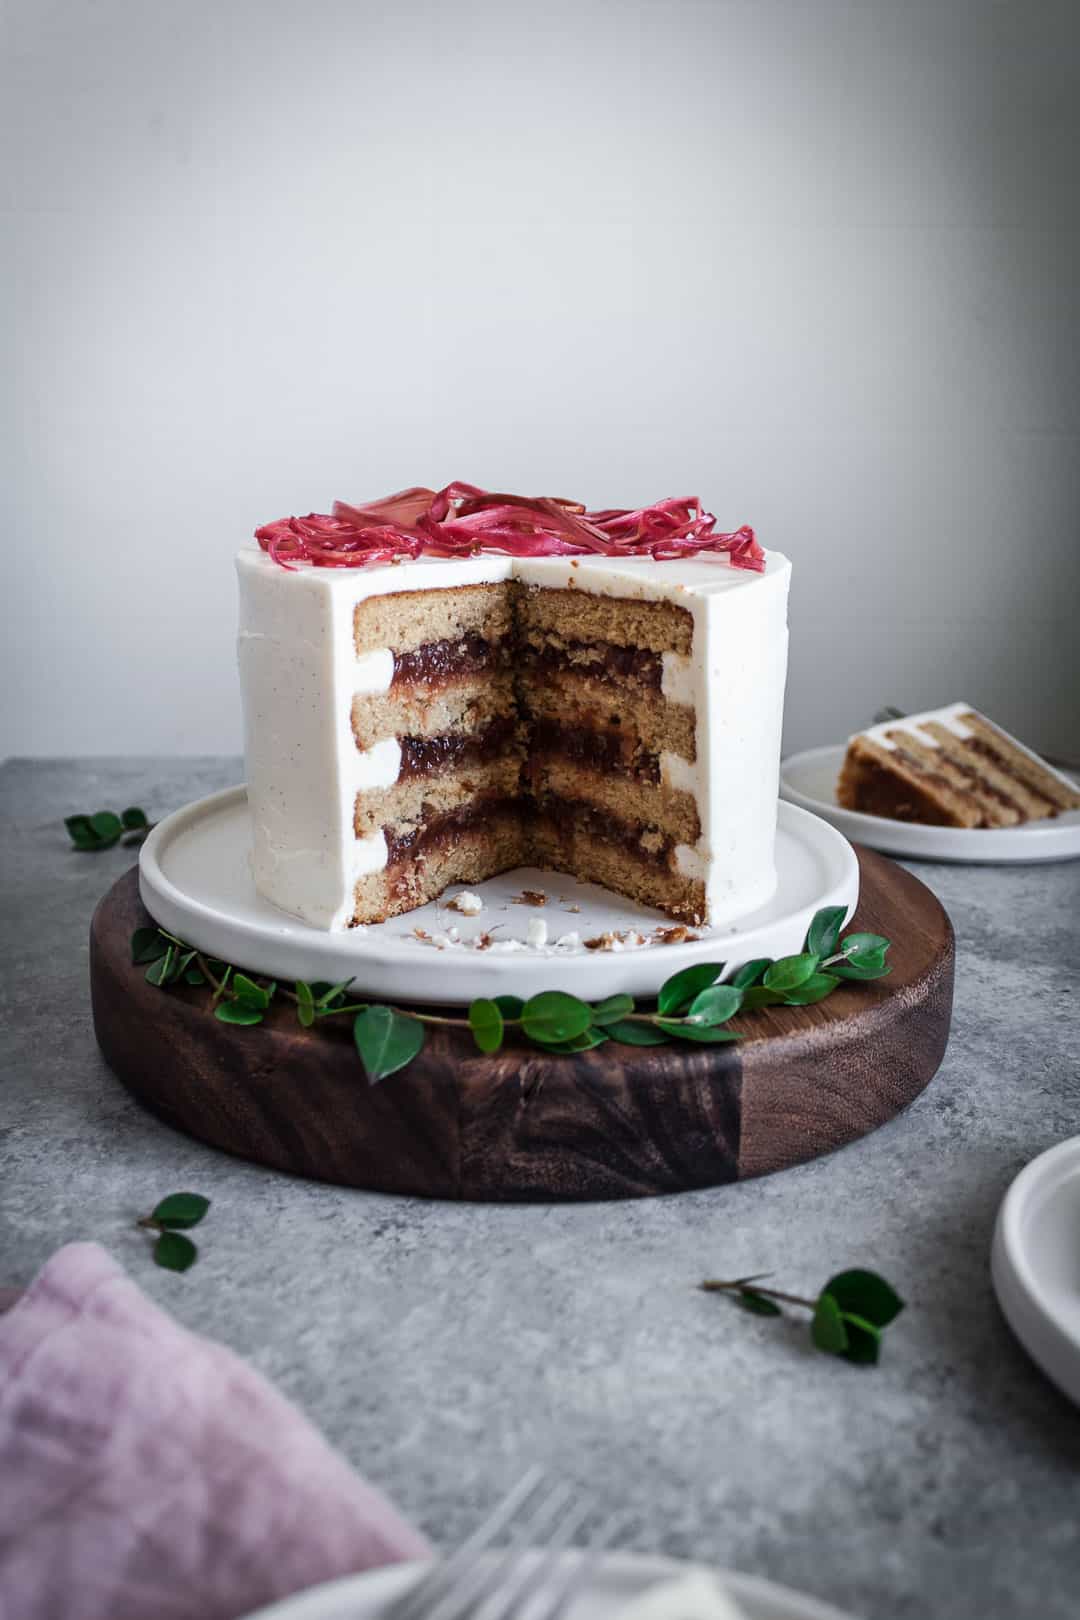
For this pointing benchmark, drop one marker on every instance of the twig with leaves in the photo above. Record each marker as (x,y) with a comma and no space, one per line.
(691,1005)
(170,1219)
(105,828)
(848,1316)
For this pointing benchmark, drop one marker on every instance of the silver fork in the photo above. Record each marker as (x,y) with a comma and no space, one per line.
(535,1568)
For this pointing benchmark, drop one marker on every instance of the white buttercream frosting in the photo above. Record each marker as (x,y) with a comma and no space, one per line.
(299,674)
(949,717)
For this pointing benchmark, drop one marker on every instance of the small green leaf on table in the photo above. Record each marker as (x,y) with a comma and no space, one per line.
(181,1209)
(678,992)
(174,1252)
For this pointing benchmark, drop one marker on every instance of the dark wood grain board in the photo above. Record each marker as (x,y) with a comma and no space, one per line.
(616,1122)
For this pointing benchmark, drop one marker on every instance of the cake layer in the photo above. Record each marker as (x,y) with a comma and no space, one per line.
(633,861)
(417,800)
(467,703)
(486,839)
(653,805)
(577,615)
(650,721)
(407,619)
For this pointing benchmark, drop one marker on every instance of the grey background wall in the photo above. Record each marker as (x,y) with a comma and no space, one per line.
(816,260)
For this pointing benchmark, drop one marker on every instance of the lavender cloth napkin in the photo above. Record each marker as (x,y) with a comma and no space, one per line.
(149,1474)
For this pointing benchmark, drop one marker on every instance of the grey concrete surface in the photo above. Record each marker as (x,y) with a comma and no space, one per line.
(444,1347)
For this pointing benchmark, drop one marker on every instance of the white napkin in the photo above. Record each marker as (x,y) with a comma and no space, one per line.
(697,1595)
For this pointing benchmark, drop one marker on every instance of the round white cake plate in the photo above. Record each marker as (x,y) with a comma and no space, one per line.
(195,880)
(1035,1262)
(616,1581)
(809,780)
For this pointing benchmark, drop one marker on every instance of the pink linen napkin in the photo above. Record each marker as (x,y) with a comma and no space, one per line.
(149,1474)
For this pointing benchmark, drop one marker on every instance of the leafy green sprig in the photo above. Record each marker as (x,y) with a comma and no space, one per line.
(848,1317)
(105,828)
(691,1005)
(170,1219)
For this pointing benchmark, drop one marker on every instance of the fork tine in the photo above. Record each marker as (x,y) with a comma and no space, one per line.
(434,1586)
(484,1578)
(571,1581)
(531,1574)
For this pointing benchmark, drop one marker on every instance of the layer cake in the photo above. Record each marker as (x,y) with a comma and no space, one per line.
(442,719)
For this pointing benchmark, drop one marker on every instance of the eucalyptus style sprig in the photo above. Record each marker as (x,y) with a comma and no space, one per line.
(105,828)
(691,1005)
(848,1317)
(170,1219)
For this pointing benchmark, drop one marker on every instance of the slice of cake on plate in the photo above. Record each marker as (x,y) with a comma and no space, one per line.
(438,688)
(949,767)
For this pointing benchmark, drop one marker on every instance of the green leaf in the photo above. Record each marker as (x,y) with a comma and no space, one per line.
(751,1300)
(486,1023)
(133,818)
(815,988)
(635,1034)
(238,1012)
(790,971)
(865,1294)
(715,1005)
(250,993)
(386,1041)
(759,996)
(107,825)
(305,1004)
(147,945)
(193,975)
(823,934)
(181,1209)
(81,833)
(611,1010)
(509,1006)
(859,944)
(326,996)
(580,1043)
(864,1341)
(751,973)
(871,966)
(164,968)
(827,1330)
(174,1252)
(677,992)
(553,1016)
(697,1032)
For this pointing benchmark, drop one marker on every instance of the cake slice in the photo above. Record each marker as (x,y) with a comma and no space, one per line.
(949,767)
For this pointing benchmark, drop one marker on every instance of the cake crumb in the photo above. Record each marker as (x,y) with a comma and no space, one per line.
(568,942)
(537,932)
(570,908)
(678,934)
(626,939)
(531,897)
(469,904)
(482,942)
(422,935)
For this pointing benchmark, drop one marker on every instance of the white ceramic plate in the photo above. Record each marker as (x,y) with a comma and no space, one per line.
(809,780)
(195,880)
(1035,1262)
(619,1577)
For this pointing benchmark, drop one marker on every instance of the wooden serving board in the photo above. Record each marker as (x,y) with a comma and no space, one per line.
(616,1122)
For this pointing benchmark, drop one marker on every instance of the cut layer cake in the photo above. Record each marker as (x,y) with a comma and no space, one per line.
(427,719)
